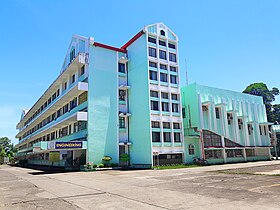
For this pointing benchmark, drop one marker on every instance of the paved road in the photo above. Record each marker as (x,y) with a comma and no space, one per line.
(232,186)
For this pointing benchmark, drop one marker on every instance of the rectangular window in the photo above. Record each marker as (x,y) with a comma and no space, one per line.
(163,77)
(156,137)
(153,75)
(121,122)
(155,105)
(177,137)
(162,66)
(217,111)
(175,107)
(152,40)
(155,124)
(260,127)
(176,126)
(166,137)
(164,95)
(172,46)
(172,57)
(73,103)
(173,79)
(162,43)
(191,149)
(265,131)
(173,68)
(57,92)
(162,54)
(165,106)
(65,86)
(65,108)
(166,125)
(54,96)
(49,100)
(152,64)
(73,78)
(250,129)
(122,94)
(82,71)
(154,94)
(121,67)
(152,52)
(174,96)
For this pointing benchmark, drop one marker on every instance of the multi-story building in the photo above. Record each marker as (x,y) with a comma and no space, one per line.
(275,131)
(224,126)
(109,101)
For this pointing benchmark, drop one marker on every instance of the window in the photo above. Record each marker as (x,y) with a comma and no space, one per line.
(162,54)
(152,64)
(250,129)
(191,149)
(54,96)
(172,46)
(155,124)
(152,52)
(73,78)
(156,136)
(213,154)
(153,75)
(229,118)
(163,77)
(152,40)
(211,139)
(65,86)
(165,106)
(65,108)
(184,112)
(154,94)
(121,122)
(57,92)
(49,100)
(164,95)
(162,66)
(162,43)
(175,107)
(166,137)
(173,79)
(82,71)
(176,126)
(166,125)
(265,131)
(177,137)
(162,32)
(217,111)
(172,57)
(173,68)
(122,94)
(174,96)
(260,127)
(154,105)
(240,124)
(229,143)
(121,68)
(73,103)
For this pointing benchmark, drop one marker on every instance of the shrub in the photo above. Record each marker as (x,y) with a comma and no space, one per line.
(100,165)
(124,157)
(106,158)
(114,165)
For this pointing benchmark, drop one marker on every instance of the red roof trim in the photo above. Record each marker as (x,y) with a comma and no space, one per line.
(133,39)
(97,44)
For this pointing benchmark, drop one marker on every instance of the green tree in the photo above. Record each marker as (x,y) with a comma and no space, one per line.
(261,89)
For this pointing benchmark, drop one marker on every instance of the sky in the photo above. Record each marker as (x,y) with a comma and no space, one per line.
(226,44)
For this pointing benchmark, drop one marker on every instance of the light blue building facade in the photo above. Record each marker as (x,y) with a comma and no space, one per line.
(224,126)
(109,101)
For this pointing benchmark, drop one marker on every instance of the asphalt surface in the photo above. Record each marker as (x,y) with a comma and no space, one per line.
(233,186)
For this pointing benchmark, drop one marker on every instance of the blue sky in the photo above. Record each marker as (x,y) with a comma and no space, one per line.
(227,44)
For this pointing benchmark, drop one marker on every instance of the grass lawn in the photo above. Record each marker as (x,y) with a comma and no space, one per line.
(175,166)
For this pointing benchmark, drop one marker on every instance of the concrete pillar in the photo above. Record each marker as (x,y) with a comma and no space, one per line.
(244,154)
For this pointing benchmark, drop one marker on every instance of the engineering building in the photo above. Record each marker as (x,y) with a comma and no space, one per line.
(224,126)
(109,101)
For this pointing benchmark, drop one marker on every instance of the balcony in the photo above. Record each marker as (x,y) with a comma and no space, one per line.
(80,60)
(70,117)
(75,90)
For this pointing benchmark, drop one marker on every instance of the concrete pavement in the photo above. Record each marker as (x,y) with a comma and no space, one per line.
(232,186)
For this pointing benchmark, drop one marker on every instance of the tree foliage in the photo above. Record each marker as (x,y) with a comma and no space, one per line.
(261,89)
(6,148)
